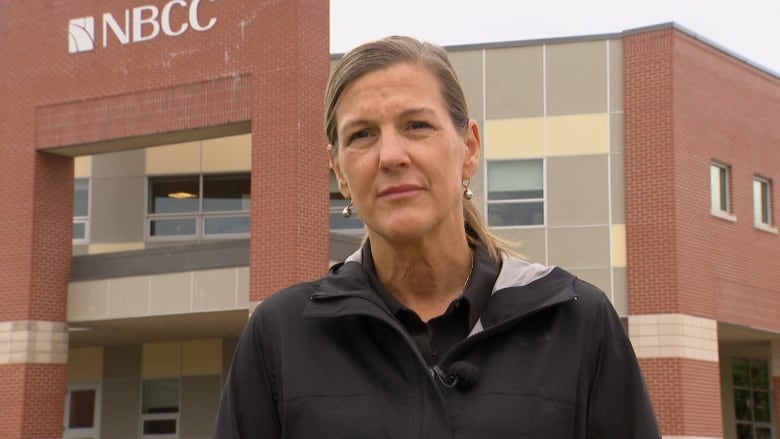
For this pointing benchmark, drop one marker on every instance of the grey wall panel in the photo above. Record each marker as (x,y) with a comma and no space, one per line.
(577,190)
(616,75)
(618,189)
(121,408)
(118,205)
(579,247)
(469,67)
(199,403)
(514,83)
(530,242)
(122,361)
(119,164)
(576,78)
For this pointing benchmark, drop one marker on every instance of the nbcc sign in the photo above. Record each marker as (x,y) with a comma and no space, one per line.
(142,23)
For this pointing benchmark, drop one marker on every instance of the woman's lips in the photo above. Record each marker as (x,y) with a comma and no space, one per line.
(399,191)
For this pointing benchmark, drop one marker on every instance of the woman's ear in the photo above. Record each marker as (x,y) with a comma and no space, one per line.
(334,164)
(473,145)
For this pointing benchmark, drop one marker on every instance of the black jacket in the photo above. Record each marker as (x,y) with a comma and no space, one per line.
(548,359)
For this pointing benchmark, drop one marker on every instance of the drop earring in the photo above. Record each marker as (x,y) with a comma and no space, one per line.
(347,212)
(467,192)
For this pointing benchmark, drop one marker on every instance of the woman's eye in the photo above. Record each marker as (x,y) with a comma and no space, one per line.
(357,135)
(417,125)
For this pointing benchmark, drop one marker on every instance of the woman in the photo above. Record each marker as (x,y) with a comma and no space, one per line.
(432,329)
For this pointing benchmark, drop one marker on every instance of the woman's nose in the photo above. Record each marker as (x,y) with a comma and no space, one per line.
(392,150)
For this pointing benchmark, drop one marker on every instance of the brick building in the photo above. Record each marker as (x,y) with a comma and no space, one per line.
(162,169)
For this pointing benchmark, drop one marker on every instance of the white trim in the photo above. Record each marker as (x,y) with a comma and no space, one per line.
(94,431)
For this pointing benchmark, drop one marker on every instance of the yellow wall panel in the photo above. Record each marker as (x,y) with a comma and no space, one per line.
(179,158)
(82,166)
(228,154)
(578,135)
(85,364)
(160,360)
(514,138)
(111,247)
(618,238)
(201,357)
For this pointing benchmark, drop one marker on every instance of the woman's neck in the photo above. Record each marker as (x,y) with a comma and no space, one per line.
(424,276)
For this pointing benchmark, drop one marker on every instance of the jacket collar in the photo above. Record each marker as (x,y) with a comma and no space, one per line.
(521,289)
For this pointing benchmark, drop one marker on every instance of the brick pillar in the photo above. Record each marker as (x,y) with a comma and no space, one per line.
(290,230)
(671,324)
(36,196)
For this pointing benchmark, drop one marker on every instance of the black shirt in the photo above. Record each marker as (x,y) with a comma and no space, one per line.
(440,333)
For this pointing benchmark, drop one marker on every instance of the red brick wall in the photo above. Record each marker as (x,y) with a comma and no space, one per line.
(30,407)
(266,62)
(686,104)
(686,395)
(652,265)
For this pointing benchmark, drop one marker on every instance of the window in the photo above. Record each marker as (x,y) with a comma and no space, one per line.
(82,411)
(719,189)
(80,210)
(515,193)
(198,206)
(160,408)
(752,403)
(337,204)
(762,202)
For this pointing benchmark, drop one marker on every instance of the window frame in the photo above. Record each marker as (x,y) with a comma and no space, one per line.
(174,416)
(81,219)
(751,389)
(91,432)
(763,207)
(543,200)
(723,191)
(200,216)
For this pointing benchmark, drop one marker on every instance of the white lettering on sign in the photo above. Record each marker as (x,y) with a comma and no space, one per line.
(141,23)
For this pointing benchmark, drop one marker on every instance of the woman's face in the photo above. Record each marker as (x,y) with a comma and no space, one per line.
(400,158)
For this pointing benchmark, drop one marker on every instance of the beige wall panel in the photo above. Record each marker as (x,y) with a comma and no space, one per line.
(111,247)
(82,166)
(599,277)
(616,75)
(179,158)
(578,135)
(468,66)
(227,154)
(118,205)
(576,77)
(616,132)
(243,288)
(87,300)
(620,291)
(128,297)
(618,239)
(201,357)
(530,242)
(514,82)
(514,138)
(577,190)
(578,247)
(214,290)
(161,360)
(119,164)
(85,364)
(170,293)
(617,178)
